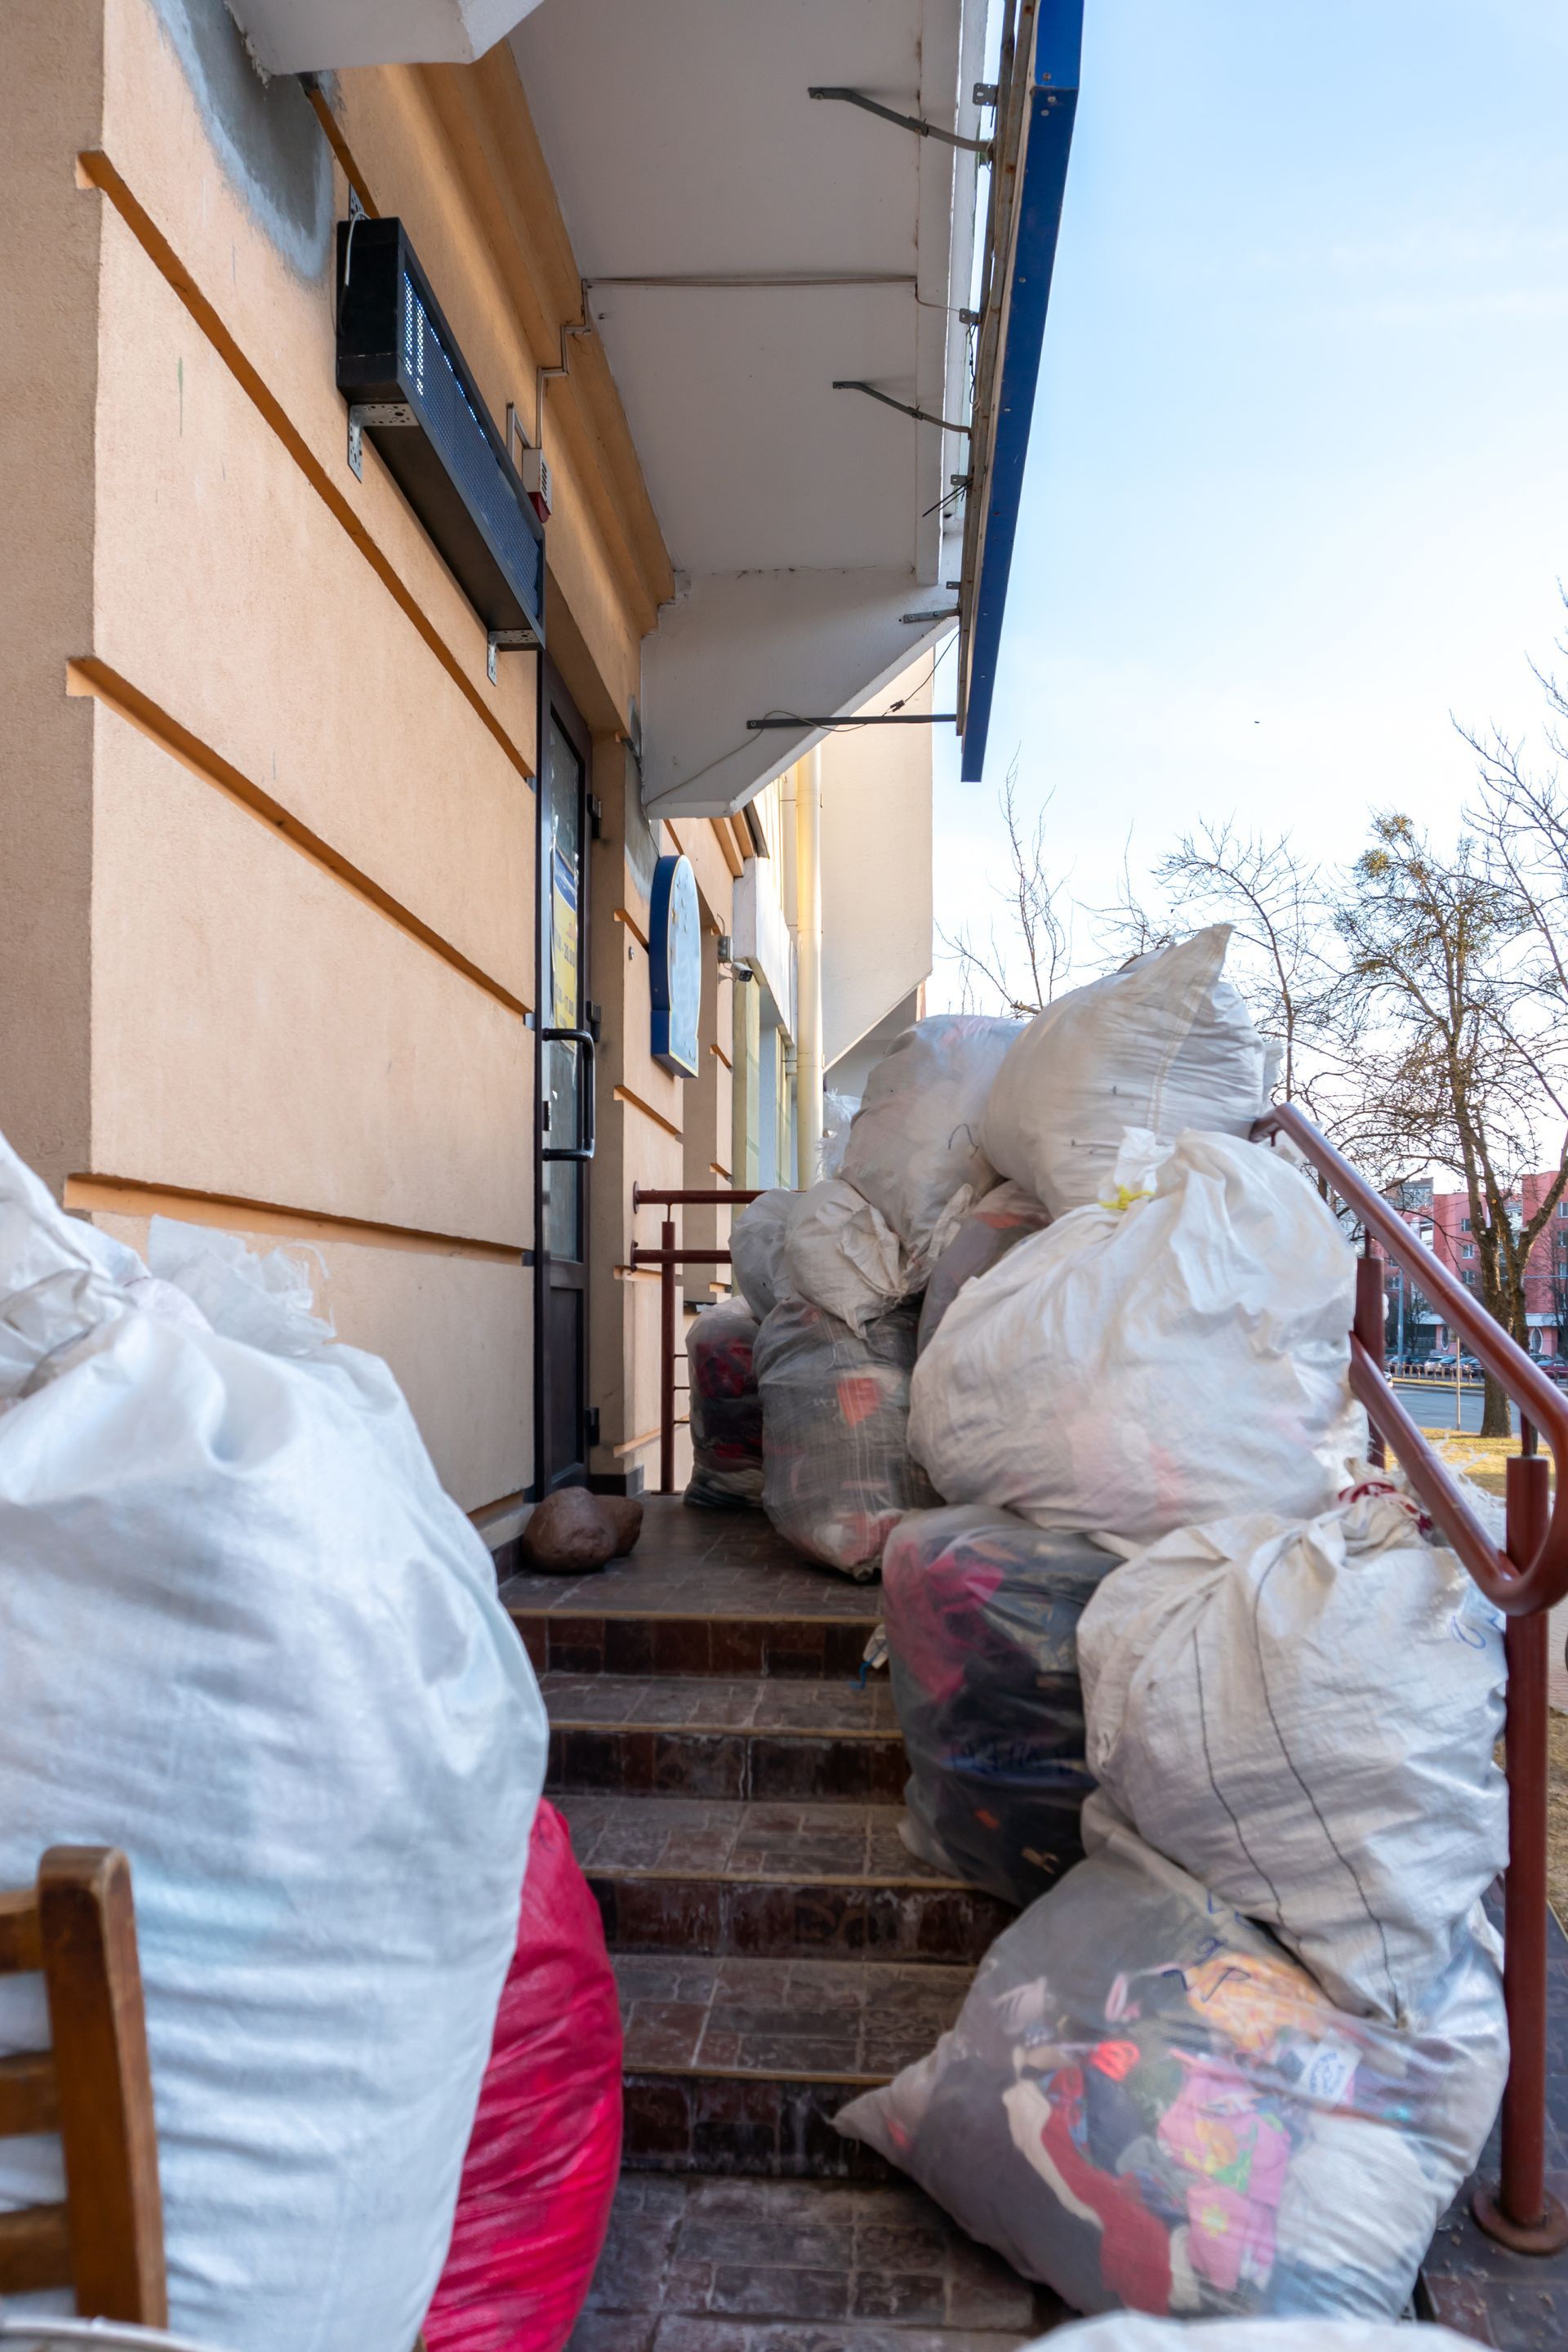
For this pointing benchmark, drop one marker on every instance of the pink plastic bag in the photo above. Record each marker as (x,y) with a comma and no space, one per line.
(545,2151)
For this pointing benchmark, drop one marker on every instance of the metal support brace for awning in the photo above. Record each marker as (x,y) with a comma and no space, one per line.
(920,415)
(879,718)
(921,129)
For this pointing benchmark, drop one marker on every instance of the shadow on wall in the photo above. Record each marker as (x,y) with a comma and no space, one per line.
(265,131)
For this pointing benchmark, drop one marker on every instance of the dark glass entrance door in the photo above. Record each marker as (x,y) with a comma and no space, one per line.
(565,1100)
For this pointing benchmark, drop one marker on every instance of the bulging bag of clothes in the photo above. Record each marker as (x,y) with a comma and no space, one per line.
(840,1254)
(982,1611)
(837,1476)
(914,1148)
(1177,1353)
(726,1409)
(757,1249)
(246,1636)
(1165,1043)
(987,1231)
(1133,2331)
(1304,1716)
(538,2179)
(1146,2101)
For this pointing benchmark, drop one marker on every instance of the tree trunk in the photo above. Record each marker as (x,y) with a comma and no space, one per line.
(1497,1419)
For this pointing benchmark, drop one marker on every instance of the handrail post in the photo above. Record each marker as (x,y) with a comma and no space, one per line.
(667,1359)
(1520,2212)
(1370,1328)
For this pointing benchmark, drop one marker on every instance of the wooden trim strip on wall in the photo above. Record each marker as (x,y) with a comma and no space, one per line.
(624,1094)
(633,1444)
(130,1196)
(636,929)
(719,1052)
(339,146)
(725,840)
(89,676)
(95,170)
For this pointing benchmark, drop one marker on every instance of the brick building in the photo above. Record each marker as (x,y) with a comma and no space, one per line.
(1443,1220)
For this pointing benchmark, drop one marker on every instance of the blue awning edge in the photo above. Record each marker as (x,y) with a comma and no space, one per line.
(1037,110)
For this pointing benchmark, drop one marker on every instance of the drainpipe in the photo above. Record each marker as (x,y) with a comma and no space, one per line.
(808,975)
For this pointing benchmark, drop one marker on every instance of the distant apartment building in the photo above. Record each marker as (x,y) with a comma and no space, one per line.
(1444,1222)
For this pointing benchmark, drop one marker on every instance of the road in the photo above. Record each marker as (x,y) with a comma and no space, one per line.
(1431,1402)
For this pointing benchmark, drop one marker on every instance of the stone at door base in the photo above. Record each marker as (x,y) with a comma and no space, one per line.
(572,1530)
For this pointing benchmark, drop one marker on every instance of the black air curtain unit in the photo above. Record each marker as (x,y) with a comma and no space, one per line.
(411,392)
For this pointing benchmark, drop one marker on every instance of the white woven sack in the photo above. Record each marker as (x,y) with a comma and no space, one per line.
(757,1250)
(841,1254)
(1165,1044)
(1304,1716)
(914,1148)
(245,1636)
(1178,1353)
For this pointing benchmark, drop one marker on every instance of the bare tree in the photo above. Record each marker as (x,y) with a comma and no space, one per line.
(1276,904)
(1456,1045)
(1280,961)
(1039,919)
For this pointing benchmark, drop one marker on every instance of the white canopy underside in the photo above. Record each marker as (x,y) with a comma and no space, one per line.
(745,246)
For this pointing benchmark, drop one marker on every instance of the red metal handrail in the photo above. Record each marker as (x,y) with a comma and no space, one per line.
(667,1257)
(1524,1579)
(1542,1580)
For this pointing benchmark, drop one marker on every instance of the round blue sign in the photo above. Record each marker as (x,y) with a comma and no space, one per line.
(675,962)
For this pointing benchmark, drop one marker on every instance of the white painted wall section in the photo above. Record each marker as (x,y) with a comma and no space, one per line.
(761,934)
(877,937)
(315,36)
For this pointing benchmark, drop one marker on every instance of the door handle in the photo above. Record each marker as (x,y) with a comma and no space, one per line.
(584,1147)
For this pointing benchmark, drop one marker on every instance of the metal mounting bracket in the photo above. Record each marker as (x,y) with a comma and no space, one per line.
(506,641)
(373,412)
(981,147)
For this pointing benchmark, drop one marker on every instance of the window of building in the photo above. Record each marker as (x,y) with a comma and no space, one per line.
(1470,1280)
(1464,1224)
(1469,1250)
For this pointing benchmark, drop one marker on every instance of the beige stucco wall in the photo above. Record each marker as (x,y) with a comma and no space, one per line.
(267,828)
(458,1329)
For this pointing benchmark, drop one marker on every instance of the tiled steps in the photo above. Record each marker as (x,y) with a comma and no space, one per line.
(740,2065)
(708,1736)
(733,1791)
(778,1952)
(808,1880)
(796,2266)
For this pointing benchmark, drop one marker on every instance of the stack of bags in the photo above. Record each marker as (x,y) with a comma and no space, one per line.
(1082,1384)
(835,1276)
(1238,2060)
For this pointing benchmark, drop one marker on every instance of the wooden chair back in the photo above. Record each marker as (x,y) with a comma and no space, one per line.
(93,2087)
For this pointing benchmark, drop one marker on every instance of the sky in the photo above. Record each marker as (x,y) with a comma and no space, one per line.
(1297,482)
